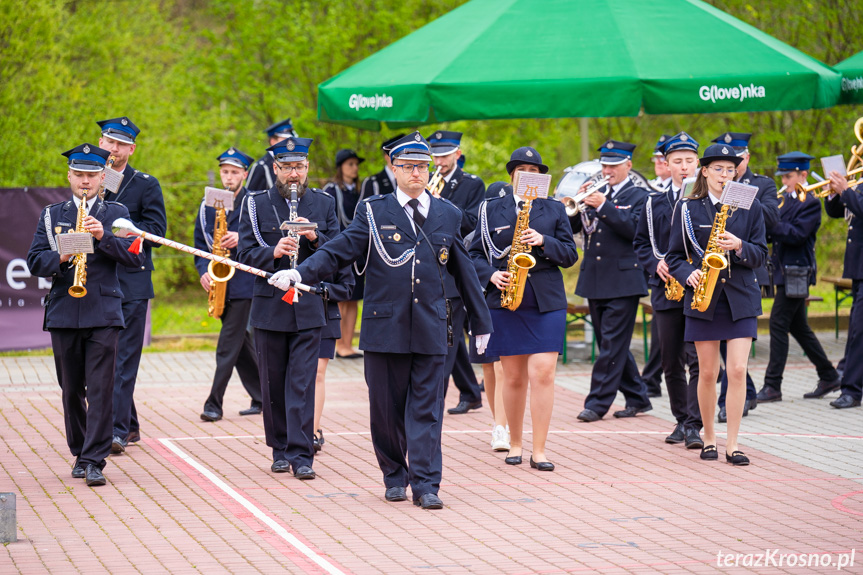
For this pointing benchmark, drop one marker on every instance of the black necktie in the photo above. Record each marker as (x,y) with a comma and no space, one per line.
(419,219)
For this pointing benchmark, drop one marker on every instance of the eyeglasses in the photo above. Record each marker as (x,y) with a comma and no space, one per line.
(289,169)
(719,171)
(409,168)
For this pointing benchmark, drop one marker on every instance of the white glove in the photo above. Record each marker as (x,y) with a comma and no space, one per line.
(284,279)
(482,343)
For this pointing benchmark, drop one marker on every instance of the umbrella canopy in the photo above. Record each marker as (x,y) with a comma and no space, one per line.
(588,58)
(852,79)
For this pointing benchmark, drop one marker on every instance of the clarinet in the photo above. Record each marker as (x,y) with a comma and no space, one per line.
(293,233)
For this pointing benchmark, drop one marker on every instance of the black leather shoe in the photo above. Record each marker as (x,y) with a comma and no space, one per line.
(722,417)
(133,437)
(321,436)
(677,436)
(253,410)
(769,395)
(541,465)
(736,458)
(464,407)
(752,403)
(589,416)
(709,453)
(513,460)
(429,501)
(280,466)
(94,476)
(693,438)
(79,471)
(304,472)
(632,411)
(316,444)
(823,388)
(654,393)
(845,401)
(118,445)
(396,494)
(209,415)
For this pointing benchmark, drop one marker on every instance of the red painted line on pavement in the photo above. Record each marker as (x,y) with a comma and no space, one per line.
(838,503)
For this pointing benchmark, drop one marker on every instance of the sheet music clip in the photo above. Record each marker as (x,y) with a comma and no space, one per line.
(218,198)
(298,226)
(738,195)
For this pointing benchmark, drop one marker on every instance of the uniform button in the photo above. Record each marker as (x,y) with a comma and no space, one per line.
(598,244)
(528,275)
(635,265)
(374,313)
(598,258)
(723,280)
(143,268)
(418,280)
(418,262)
(416,300)
(849,240)
(418,243)
(850,227)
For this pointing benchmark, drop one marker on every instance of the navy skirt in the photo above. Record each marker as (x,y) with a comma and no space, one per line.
(526,330)
(722,326)
(327,349)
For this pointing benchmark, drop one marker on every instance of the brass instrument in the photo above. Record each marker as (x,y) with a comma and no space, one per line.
(780,193)
(220,273)
(673,290)
(815,189)
(77,288)
(713,262)
(436,183)
(575,203)
(520,261)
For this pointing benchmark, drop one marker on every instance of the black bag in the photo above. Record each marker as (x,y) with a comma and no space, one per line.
(796,281)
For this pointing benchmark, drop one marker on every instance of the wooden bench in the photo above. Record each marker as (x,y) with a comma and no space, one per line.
(575,312)
(840,286)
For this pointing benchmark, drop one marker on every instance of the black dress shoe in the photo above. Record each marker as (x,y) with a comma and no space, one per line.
(677,436)
(133,437)
(512,460)
(541,465)
(709,453)
(321,436)
(654,393)
(349,356)
(429,501)
(94,476)
(589,416)
(752,403)
(396,494)
(722,417)
(769,395)
(464,407)
(482,385)
(79,470)
(316,443)
(209,415)
(304,472)
(118,445)
(253,410)
(736,458)
(823,388)
(280,466)
(845,401)
(693,439)
(746,408)
(632,411)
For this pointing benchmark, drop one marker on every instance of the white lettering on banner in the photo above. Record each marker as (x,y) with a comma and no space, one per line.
(17,270)
(852,84)
(739,92)
(358,101)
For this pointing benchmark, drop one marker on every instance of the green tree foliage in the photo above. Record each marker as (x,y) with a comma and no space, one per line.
(200,75)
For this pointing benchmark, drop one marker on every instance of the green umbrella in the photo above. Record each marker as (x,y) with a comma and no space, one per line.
(566,58)
(852,79)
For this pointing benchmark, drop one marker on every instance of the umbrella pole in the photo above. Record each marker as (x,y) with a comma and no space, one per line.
(585,141)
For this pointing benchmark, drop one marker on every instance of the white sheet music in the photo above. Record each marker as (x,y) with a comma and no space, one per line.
(214,195)
(833,164)
(530,185)
(75,243)
(113,179)
(738,195)
(688,184)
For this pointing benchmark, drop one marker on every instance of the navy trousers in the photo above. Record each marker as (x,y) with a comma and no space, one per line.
(288,363)
(676,356)
(85,368)
(457,360)
(852,378)
(129,348)
(615,368)
(236,348)
(406,414)
(652,372)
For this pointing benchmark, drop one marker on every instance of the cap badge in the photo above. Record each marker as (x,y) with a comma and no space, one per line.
(418,138)
(86,149)
(231,152)
(610,145)
(529,154)
(124,121)
(727,138)
(290,145)
(438,136)
(683,138)
(662,138)
(724,150)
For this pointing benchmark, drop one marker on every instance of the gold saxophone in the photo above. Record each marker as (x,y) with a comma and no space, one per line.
(673,290)
(713,262)
(519,261)
(77,288)
(219,273)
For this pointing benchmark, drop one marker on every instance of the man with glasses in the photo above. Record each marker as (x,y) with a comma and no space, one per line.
(413,241)
(287,335)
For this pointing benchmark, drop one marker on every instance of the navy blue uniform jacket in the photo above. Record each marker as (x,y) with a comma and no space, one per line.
(376,185)
(466,191)
(142,196)
(239,286)
(609,268)
(259,173)
(835,207)
(102,306)
(404,310)
(738,280)
(267,210)
(661,208)
(547,217)
(794,236)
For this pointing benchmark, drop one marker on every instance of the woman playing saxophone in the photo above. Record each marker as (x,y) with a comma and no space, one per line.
(722,302)
(527,334)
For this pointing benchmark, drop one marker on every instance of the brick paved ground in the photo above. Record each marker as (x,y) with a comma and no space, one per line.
(198,497)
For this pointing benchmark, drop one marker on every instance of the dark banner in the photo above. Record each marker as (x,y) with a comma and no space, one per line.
(21,294)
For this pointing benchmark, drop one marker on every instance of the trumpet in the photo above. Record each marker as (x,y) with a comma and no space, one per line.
(575,203)
(780,193)
(436,183)
(815,189)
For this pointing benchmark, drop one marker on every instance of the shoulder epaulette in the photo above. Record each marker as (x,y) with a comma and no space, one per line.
(256,193)
(375,198)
